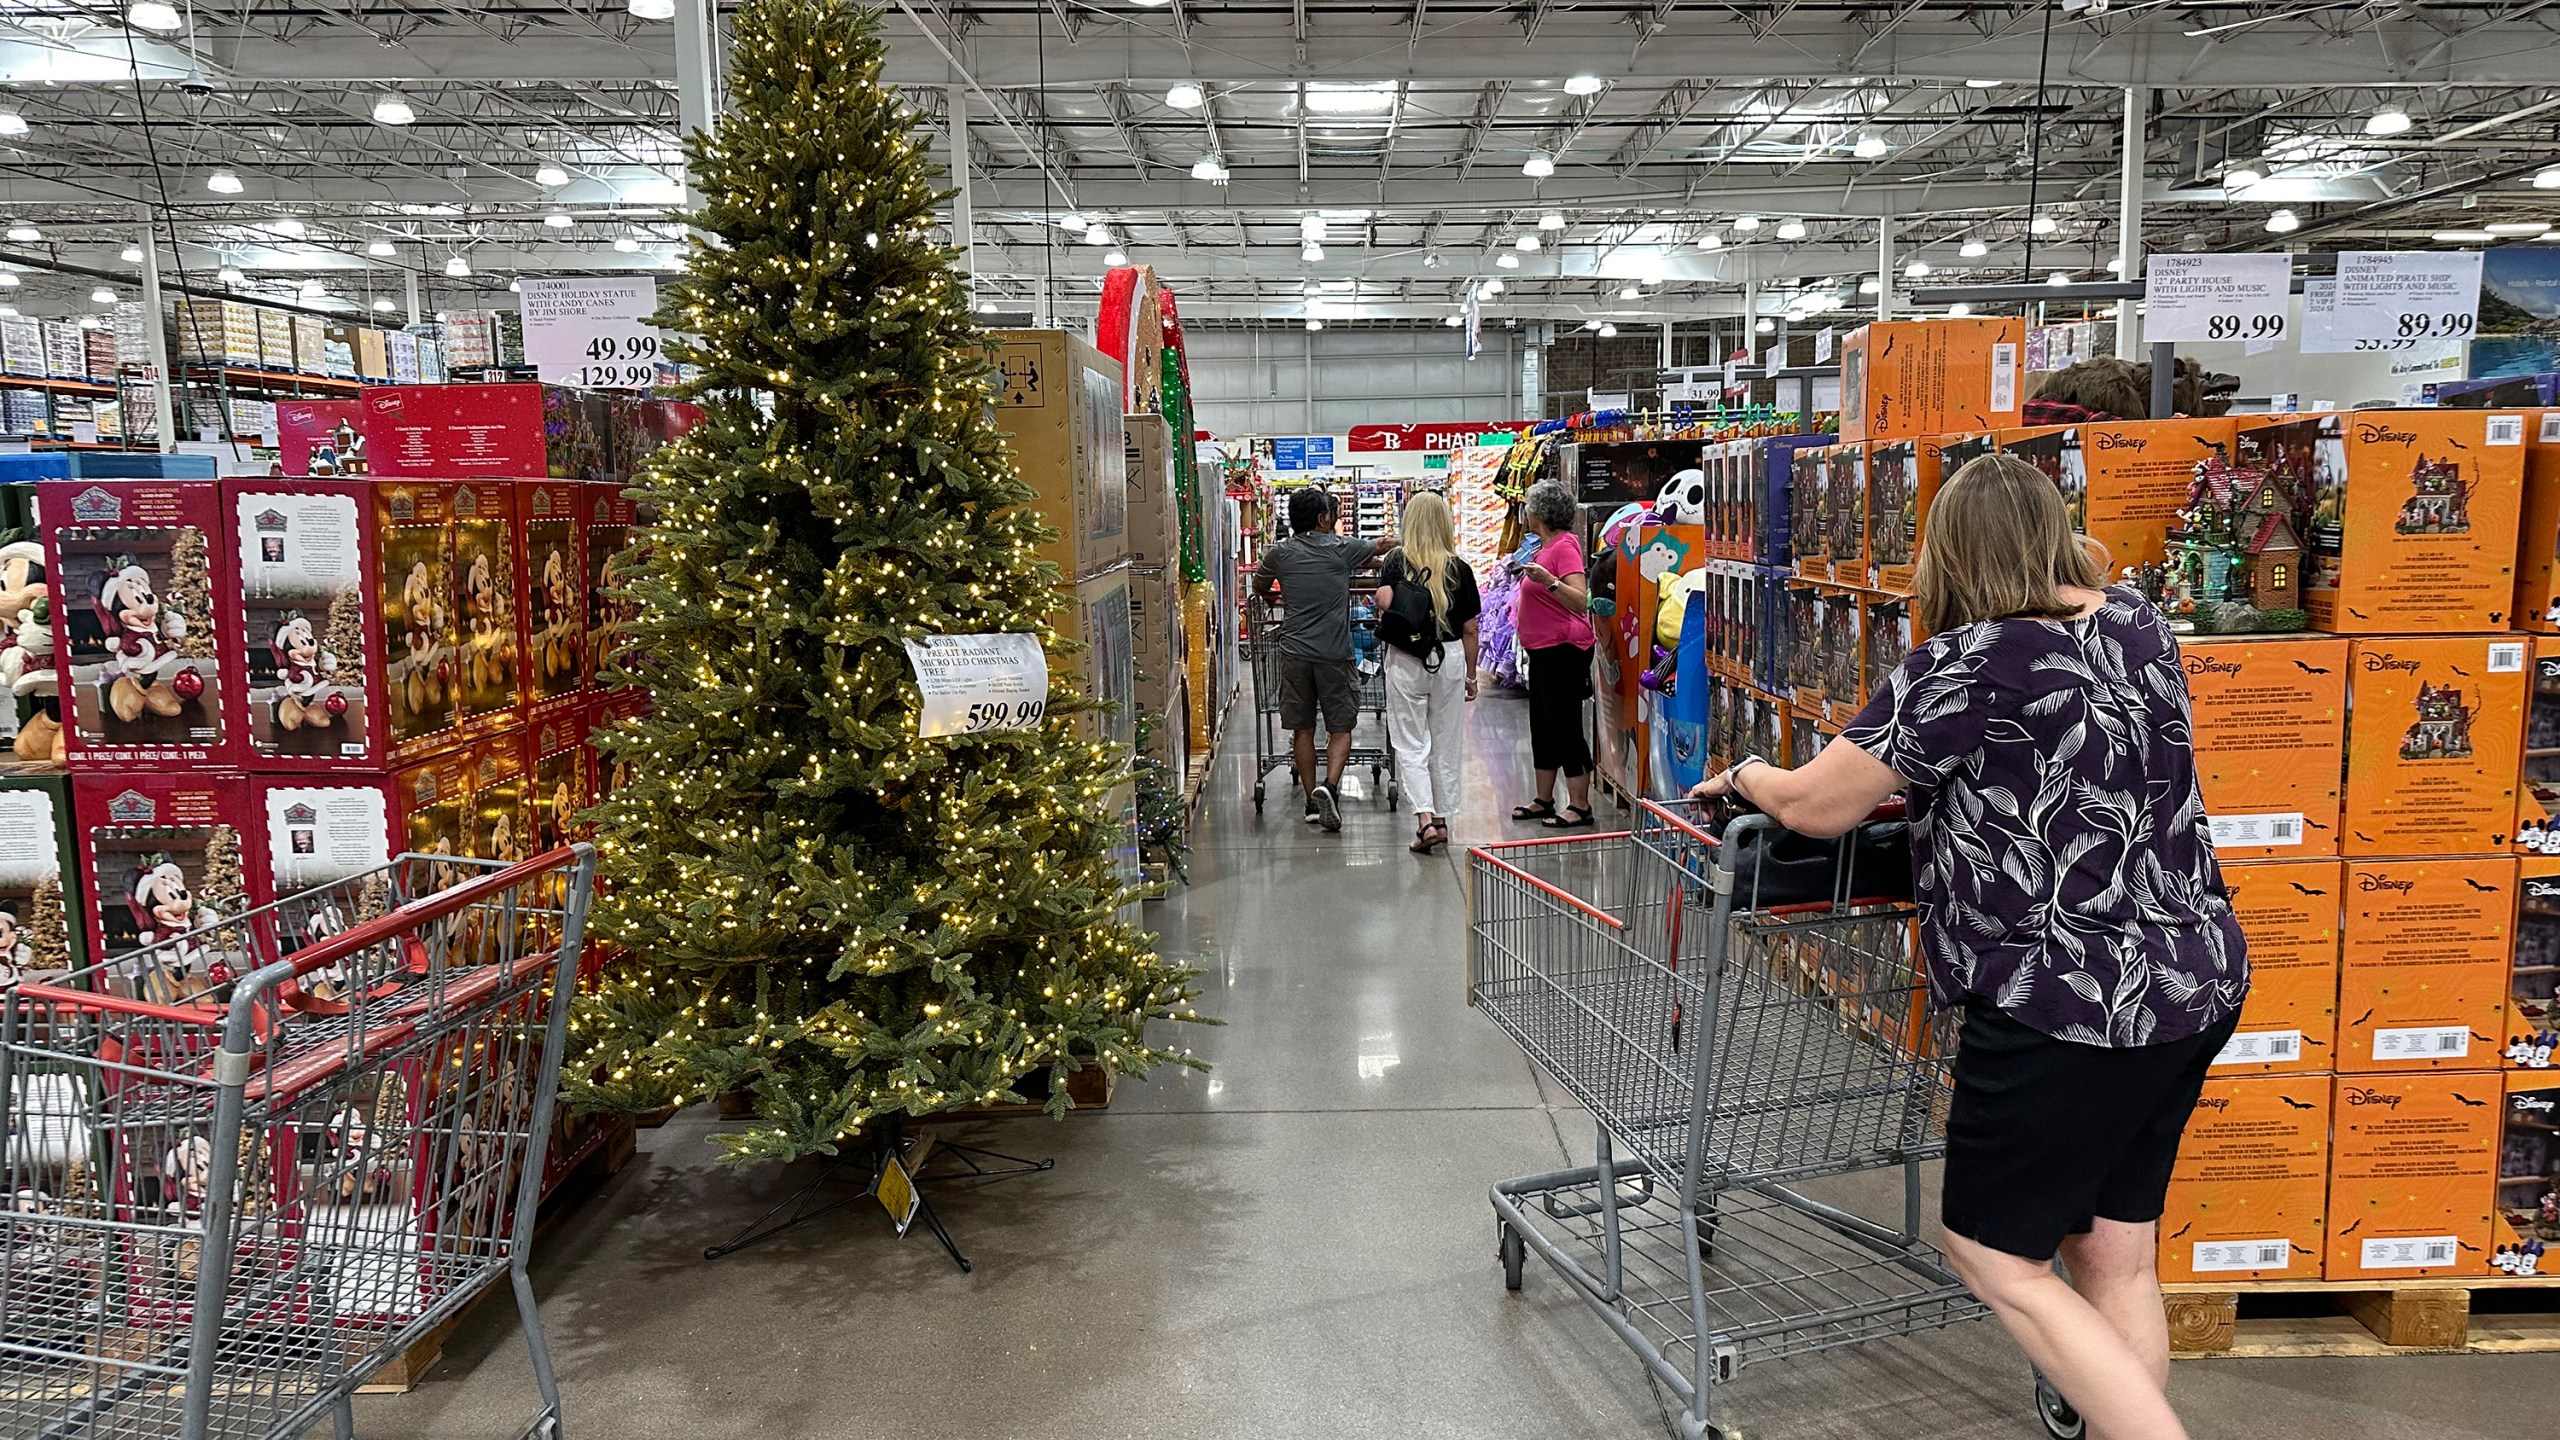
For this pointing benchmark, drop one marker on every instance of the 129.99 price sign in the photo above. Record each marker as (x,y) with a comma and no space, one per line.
(591,332)
(620,362)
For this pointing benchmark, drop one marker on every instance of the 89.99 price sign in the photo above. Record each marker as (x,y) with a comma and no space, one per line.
(2389,296)
(591,332)
(2217,297)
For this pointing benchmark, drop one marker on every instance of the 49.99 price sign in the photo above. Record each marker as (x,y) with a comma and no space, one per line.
(592,332)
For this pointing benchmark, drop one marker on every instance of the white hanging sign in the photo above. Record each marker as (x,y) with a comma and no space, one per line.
(2216,297)
(975,683)
(591,332)
(1824,341)
(2391,295)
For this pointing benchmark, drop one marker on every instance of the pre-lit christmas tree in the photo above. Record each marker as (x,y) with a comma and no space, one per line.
(825,912)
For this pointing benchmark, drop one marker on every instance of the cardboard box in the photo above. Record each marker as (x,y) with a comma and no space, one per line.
(1902,479)
(1803,675)
(1106,671)
(1159,646)
(551,521)
(1155,514)
(2435,735)
(2126,480)
(1884,629)
(324,572)
(2413,514)
(309,831)
(2249,1198)
(321,438)
(373,353)
(1809,511)
(1844,512)
(2525,1202)
(2411,1158)
(2537,602)
(2533,997)
(578,434)
(557,779)
(1908,378)
(44,933)
(613,521)
(468,801)
(454,432)
(2288,912)
(1060,410)
(1843,682)
(2270,730)
(2538,789)
(605,713)
(161,855)
(2423,967)
(140,644)
(488,605)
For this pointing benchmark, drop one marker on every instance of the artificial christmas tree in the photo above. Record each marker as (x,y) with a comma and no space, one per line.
(826,913)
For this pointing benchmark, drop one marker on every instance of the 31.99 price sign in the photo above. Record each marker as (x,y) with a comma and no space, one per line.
(592,332)
(2217,297)
(2389,296)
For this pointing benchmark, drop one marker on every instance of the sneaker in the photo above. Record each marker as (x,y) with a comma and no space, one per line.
(1328,809)
(1312,815)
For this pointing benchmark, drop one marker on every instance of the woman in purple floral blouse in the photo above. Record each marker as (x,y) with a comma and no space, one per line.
(2069,901)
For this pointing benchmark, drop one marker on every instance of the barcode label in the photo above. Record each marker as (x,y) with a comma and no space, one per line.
(2551,427)
(2004,377)
(2506,429)
(2506,658)
(2256,829)
(2414,1252)
(2423,1042)
(2275,1254)
(2261,1047)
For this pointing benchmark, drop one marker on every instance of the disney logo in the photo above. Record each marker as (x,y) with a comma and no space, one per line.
(2108,441)
(2533,1102)
(2375,434)
(2214,1102)
(2384,882)
(2359,1095)
(2207,665)
(2389,662)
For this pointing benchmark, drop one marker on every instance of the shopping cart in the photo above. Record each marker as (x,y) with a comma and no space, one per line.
(1731,1049)
(226,1205)
(1262,653)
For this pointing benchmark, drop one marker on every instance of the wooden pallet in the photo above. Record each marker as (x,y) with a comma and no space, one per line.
(1196,784)
(2364,1317)
(618,1142)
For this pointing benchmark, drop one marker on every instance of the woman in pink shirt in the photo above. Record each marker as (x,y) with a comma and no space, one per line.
(1553,613)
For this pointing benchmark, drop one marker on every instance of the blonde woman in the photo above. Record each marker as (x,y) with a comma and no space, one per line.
(2069,902)
(1427,605)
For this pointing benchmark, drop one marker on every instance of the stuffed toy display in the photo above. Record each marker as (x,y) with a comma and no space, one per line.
(1683,500)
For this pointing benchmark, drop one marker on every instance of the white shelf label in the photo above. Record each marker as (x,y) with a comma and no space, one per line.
(973,683)
(2261,1047)
(2423,1042)
(2412,1252)
(2275,1253)
(2506,657)
(2268,829)
(2506,430)
(2387,296)
(2216,297)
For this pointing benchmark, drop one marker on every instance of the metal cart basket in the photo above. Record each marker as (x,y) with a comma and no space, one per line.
(1730,1051)
(248,1166)
(1271,743)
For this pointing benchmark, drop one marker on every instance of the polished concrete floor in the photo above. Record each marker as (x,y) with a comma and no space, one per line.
(1295,1244)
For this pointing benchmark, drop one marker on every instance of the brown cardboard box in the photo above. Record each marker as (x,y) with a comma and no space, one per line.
(2270,740)
(1977,367)
(2288,911)
(2435,733)
(2250,1192)
(2525,1202)
(2533,1013)
(2423,969)
(2410,1174)
(2413,514)
(1155,516)
(1908,378)
(1159,646)
(373,354)
(1060,407)
(1106,670)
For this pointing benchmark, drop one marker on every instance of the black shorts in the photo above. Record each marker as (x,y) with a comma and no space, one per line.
(1307,686)
(2045,1136)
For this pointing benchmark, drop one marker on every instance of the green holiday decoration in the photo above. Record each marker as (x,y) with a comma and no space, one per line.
(824,912)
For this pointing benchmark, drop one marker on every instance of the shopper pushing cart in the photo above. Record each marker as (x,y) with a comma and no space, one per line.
(226,1209)
(1303,585)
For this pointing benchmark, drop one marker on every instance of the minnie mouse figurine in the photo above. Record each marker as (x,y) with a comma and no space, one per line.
(480,586)
(423,620)
(164,910)
(140,637)
(559,647)
(303,695)
(17,957)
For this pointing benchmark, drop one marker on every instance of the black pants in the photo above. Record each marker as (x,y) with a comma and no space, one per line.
(1559,681)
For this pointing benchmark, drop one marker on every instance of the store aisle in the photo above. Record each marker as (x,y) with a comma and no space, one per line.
(1295,1244)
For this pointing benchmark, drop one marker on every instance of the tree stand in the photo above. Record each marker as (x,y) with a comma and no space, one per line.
(873,1161)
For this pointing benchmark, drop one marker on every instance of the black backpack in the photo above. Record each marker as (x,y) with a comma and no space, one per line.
(1408,623)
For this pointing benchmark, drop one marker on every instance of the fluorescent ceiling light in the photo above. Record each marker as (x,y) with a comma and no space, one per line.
(1746,223)
(1582,85)
(1959,309)
(103,296)
(2463,237)
(1870,147)
(1211,168)
(627,244)
(558,221)
(1916,269)
(2242,178)
(382,249)
(1711,241)
(1373,98)
(12,123)
(131,255)
(230,275)
(1766,326)
(382,307)
(1539,165)
(1150,4)
(1115,259)
(25,234)
(1508,260)
(1982,84)
(1973,250)
(289,227)
(2389,120)
(156,16)
(1186,96)
(653,9)
(2044,225)
(1314,324)
(1310,227)
(1311,252)
(2282,222)
(1490,287)
(392,110)
(1528,243)
(1608,332)
(457,267)
(550,175)
(1790,229)
(1551,221)
(2518,227)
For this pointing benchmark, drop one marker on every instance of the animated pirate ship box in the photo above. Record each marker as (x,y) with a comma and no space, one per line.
(2435,734)
(145,659)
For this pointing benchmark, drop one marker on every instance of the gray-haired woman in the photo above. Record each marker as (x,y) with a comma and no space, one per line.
(1553,613)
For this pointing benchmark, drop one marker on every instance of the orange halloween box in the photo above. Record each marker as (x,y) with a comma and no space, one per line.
(2270,740)
(2435,738)
(2410,1164)
(2524,1213)
(2288,911)
(2249,1198)
(2537,602)
(1844,512)
(2422,969)
(1902,480)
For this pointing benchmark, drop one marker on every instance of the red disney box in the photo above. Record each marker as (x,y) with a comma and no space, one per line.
(613,523)
(488,605)
(162,855)
(559,779)
(551,536)
(321,438)
(506,431)
(146,659)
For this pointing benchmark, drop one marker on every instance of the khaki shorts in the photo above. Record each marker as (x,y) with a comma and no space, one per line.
(1307,686)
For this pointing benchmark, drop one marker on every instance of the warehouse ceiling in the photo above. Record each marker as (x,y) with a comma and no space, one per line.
(1374,159)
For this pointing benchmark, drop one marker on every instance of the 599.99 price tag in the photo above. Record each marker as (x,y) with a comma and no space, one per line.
(972,684)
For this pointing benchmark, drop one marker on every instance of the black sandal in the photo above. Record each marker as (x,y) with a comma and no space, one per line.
(1558,822)
(1534,810)
(1422,841)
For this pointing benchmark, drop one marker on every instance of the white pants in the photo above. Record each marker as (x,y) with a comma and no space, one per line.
(1427,722)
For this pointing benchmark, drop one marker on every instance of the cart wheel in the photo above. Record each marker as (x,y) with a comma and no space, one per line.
(1257,797)
(1373,777)
(2060,1420)
(1514,1252)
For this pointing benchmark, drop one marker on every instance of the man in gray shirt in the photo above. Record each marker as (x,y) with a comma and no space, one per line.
(1312,572)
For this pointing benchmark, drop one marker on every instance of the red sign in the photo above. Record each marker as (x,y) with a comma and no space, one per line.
(1397,438)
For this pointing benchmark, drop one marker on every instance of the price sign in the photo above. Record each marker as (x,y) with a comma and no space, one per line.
(2217,297)
(592,332)
(1825,341)
(2390,296)
(976,683)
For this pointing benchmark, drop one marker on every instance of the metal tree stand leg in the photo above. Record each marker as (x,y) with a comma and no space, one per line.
(884,1145)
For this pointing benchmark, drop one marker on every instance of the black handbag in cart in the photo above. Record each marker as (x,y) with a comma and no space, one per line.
(1777,867)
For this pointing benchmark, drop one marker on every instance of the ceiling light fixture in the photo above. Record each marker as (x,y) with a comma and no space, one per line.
(1072,221)
(1916,269)
(1551,221)
(1582,85)
(627,244)
(222,182)
(1212,168)
(2463,237)
(156,16)
(1973,250)
(2242,177)
(1982,84)
(25,234)
(457,267)
(1539,165)
(12,123)
(103,296)
(1528,244)
(1375,97)
(1314,324)
(1115,260)
(1766,326)
(2389,120)
(2059,277)
(1186,96)
(1592,324)
(1099,234)
(1790,229)
(1959,309)
(289,227)
(1870,286)
(2283,222)
(1608,332)
(1711,241)
(1508,260)
(1746,223)
(382,307)
(1490,287)
(89,322)
(2518,227)
(1310,227)
(1311,252)
(2043,225)
(550,175)
(382,249)
(392,110)
(230,275)
(652,9)
(558,221)
(131,255)
(1870,147)
(2547,179)
(1453,321)
(1630,293)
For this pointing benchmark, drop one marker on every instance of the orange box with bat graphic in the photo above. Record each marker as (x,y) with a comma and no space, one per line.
(2411,1161)
(2435,740)
(2422,968)
(1907,378)
(2123,481)
(2289,913)
(2249,1198)
(1902,479)
(2537,603)
(2524,1201)
(2413,514)
(2270,741)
